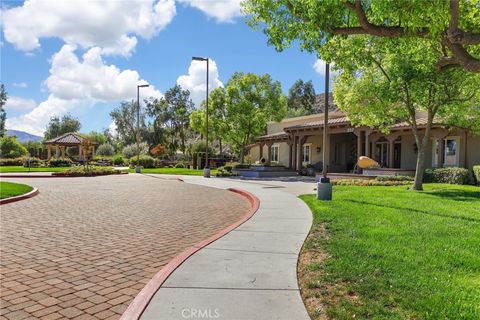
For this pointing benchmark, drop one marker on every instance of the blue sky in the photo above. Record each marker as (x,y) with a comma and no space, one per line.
(46,73)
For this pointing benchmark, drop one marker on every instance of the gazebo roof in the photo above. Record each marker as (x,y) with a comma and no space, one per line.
(68,138)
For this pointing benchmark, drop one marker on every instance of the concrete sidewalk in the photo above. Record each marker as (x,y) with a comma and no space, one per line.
(251,273)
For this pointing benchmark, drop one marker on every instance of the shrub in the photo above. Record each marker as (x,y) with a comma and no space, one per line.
(228,168)
(367,182)
(451,175)
(159,163)
(241,166)
(12,162)
(131,150)
(118,160)
(87,171)
(144,161)
(105,149)
(428,175)
(11,148)
(60,162)
(394,178)
(32,162)
(179,165)
(476,173)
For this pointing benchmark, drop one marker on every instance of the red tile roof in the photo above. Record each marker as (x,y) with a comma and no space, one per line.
(313,124)
(66,138)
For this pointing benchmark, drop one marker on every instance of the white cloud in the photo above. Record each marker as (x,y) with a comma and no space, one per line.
(19,103)
(195,80)
(77,84)
(221,10)
(319,67)
(20,84)
(112,128)
(91,78)
(112,25)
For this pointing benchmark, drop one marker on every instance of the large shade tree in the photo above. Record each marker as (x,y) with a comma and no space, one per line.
(301,97)
(398,81)
(125,119)
(3,115)
(58,126)
(454,25)
(217,109)
(252,101)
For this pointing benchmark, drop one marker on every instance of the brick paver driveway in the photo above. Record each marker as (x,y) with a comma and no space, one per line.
(84,247)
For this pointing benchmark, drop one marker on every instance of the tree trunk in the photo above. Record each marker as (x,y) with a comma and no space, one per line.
(418,182)
(220,145)
(242,154)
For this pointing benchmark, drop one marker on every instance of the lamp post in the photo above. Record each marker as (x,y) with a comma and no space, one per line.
(206,169)
(324,187)
(138,168)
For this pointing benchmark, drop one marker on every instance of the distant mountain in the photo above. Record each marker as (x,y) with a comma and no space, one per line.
(23,136)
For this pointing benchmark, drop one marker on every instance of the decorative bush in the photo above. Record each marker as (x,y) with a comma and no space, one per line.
(145,161)
(428,175)
(224,173)
(159,163)
(11,148)
(241,166)
(118,160)
(105,149)
(451,175)
(476,173)
(228,168)
(179,165)
(33,162)
(131,150)
(394,178)
(12,162)
(81,171)
(366,182)
(60,162)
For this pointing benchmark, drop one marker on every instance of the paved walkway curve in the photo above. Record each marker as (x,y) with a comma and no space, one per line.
(85,247)
(251,273)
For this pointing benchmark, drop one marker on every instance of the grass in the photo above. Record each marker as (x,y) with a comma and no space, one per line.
(9,189)
(176,171)
(392,253)
(8,169)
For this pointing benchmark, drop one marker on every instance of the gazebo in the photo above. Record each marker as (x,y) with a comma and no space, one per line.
(69,139)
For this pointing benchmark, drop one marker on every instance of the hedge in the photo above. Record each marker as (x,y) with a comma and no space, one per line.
(450,175)
(60,162)
(144,161)
(476,173)
(33,162)
(11,162)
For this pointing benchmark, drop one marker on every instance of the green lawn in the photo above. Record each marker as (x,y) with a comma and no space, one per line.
(9,189)
(178,171)
(5,169)
(392,253)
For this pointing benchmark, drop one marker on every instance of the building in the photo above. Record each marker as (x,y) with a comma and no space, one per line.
(297,142)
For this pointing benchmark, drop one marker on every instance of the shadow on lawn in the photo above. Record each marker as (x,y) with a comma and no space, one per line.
(456,194)
(415,210)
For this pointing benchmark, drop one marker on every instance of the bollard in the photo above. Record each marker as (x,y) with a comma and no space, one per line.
(206,172)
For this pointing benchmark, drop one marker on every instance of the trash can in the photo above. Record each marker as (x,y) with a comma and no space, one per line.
(324,189)
(206,172)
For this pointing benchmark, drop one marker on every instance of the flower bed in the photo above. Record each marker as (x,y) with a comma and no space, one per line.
(88,172)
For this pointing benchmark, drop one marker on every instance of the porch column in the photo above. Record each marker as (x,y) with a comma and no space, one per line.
(326,150)
(49,152)
(294,153)
(301,141)
(358,133)
(441,152)
(367,142)
(57,151)
(80,157)
(290,148)
(391,148)
(63,152)
(260,153)
(93,150)
(269,152)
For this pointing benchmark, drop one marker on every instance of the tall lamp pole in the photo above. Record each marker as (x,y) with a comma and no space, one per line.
(138,168)
(206,169)
(324,187)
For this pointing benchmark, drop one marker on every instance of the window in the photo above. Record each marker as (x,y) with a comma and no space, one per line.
(274,153)
(451,152)
(306,149)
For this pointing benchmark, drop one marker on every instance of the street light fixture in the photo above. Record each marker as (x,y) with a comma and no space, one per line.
(138,168)
(206,169)
(324,187)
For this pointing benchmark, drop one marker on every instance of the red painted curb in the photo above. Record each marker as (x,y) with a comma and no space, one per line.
(56,176)
(141,301)
(27,195)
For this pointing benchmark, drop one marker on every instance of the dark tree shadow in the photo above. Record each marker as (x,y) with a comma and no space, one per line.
(456,194)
